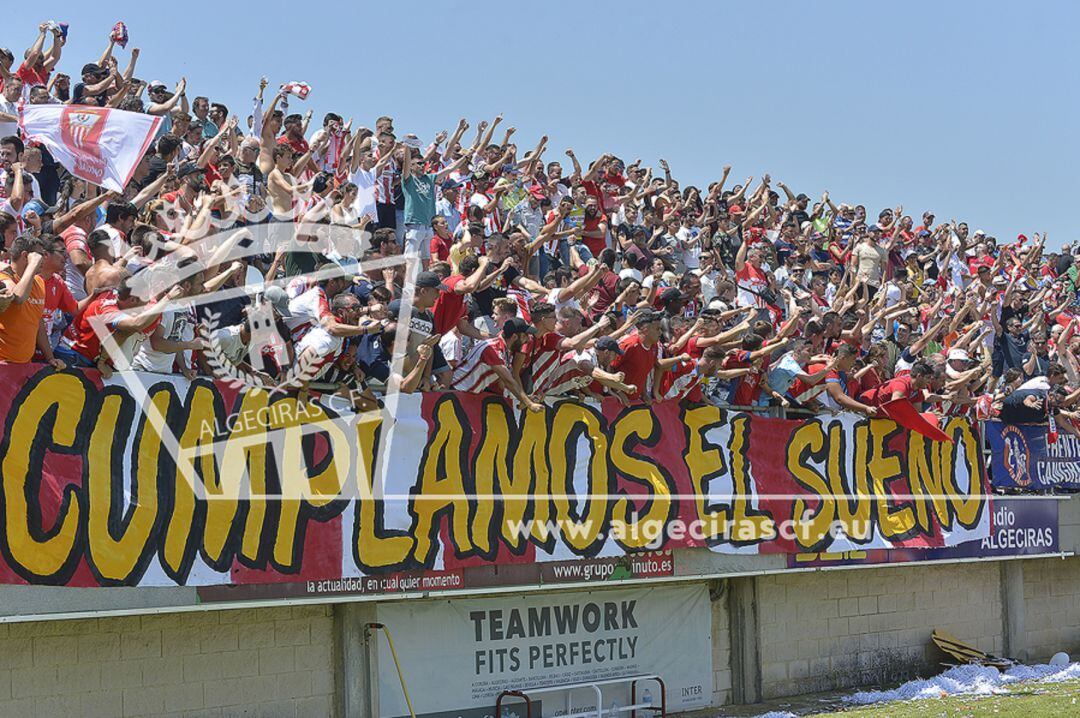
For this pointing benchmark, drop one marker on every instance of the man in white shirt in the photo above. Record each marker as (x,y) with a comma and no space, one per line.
(9,107)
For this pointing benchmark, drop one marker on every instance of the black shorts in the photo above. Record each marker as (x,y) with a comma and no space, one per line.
(386,215)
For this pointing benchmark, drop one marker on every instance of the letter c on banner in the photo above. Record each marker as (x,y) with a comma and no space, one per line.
(45,415)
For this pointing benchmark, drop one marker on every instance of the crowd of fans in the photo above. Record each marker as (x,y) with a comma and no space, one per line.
(532,275)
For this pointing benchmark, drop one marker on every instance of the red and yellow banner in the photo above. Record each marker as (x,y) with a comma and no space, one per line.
(152,480)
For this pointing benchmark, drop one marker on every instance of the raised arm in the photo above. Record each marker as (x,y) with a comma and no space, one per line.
(267,140)
(33,53)
(455,139)
(107,55)
(204,157)
(164,108)
(53,57)
(80,210)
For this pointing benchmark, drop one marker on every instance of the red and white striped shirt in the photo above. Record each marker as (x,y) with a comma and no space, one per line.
(325,346)
(683,381)
(553,369)
(384,183)
(307,311)
(476,372)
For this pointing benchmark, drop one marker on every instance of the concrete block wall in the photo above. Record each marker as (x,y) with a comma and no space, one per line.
(721,651)
(259,663)
(1052,607)
(839,629)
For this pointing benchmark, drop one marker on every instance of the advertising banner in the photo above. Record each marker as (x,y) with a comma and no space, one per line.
(1024,459)
(1020,527)
(155,481)
(533,642)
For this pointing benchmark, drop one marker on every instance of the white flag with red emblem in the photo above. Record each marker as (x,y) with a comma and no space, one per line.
(100,145)
(300,89)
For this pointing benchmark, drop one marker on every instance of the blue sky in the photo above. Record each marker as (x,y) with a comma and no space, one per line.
(966,108)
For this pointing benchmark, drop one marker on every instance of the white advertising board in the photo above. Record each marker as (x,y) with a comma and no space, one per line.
(458,655)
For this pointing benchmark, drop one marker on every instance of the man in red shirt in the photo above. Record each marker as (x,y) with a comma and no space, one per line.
(641,353)
(117,310)
(442,239)
(294,134)
(594,229)
(549,356)
(58,298)
(604,292)
(911,386)
(755,355)
(38,65)
(449,313)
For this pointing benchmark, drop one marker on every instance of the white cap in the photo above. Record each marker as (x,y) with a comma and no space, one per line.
(632,273)
(155,83)
(958,355)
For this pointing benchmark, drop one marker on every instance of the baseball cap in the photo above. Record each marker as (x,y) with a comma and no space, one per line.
(537,192)
(671,294)
(608,344)
(649,316)
(156,83)
(801,196)
(517,325)
(449,185)
(92,68)
(36,206)
(631,273)
(279,298)
(429,280)
(958,355)
(188,168)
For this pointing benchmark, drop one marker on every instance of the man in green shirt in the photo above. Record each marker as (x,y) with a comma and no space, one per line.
(419,190)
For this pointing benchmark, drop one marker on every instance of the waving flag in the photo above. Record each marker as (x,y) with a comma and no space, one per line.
(119,34)
(100,145)
(61,27)
(904,413)
(300,89)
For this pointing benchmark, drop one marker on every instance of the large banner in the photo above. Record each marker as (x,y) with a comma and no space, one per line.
(157,481)
(1024,459)
(534,642)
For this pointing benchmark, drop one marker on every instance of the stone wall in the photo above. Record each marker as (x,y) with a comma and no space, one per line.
(260,662)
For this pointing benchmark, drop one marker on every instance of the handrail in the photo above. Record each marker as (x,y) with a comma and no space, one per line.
(595,685)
